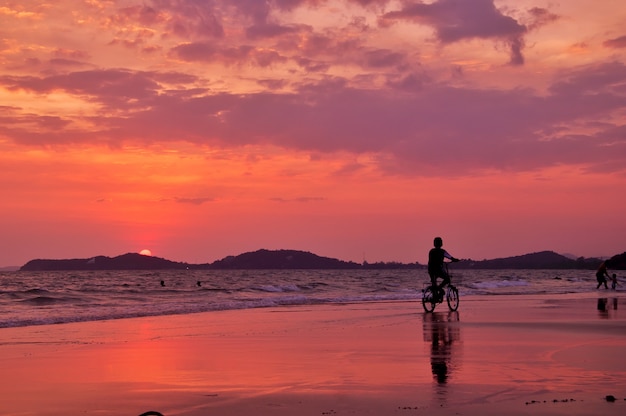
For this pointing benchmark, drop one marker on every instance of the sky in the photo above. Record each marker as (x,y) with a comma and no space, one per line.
(353,129)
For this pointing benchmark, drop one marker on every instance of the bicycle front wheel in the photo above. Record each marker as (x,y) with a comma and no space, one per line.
(429,301)
(453,298)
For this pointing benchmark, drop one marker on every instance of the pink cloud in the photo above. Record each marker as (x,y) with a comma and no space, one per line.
(72,54)
(68,63)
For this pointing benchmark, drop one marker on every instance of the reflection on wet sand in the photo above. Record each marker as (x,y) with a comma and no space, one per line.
(604,309)
(443,333)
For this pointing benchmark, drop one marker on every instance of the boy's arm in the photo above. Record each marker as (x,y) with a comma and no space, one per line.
(449,256)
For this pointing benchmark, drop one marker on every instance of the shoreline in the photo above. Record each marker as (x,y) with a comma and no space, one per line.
(63,298)
(513,354)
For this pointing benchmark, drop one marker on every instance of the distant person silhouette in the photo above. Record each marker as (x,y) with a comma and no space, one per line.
(436,257)
(162,282)
(614,281)
(199,283)
(600,275)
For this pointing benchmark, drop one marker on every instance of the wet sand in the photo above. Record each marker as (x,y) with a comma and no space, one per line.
(514,355)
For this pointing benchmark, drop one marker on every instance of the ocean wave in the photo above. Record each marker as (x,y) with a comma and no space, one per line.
(276,289)
(35,291)
(36,299)
(497,284)
(41,300)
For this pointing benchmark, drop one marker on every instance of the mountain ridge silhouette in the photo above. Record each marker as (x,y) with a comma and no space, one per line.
(297,259)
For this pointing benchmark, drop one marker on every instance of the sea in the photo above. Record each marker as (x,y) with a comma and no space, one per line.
(40,298)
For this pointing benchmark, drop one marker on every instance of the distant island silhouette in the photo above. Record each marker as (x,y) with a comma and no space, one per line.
(295,259)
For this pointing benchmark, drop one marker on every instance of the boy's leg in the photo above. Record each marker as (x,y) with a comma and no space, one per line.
(440,290)
(433,282)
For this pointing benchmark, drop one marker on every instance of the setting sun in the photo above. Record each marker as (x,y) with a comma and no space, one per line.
(145,252)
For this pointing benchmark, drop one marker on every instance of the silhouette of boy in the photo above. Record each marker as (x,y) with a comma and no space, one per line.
(436,257)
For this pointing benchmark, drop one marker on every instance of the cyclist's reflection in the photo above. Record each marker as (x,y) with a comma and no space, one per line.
(443,333)
(603,307)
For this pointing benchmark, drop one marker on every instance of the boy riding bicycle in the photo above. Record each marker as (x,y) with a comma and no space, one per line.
(436,258)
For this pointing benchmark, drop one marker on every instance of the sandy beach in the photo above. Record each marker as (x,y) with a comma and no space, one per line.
(514,355)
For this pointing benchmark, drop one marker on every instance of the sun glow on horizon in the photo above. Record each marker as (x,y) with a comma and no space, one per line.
(145,252)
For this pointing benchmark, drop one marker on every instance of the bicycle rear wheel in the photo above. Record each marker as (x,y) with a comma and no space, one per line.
(429,300)
(452,297)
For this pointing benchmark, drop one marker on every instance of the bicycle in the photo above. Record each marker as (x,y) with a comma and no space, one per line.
(430,297)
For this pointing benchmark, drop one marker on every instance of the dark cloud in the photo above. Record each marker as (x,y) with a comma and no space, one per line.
(269,31)
(112,85)
(37,130)
(267,58)
(196,52)
(184,18)
(591,80)
(200,21)
(619,42)
(311,65)
(540,17)
(380,58)
(457,20)
(144,15)
(256,10)
(304,199)
(207,52)
(266,43)
(273,84)
(407,83)
(314,53)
